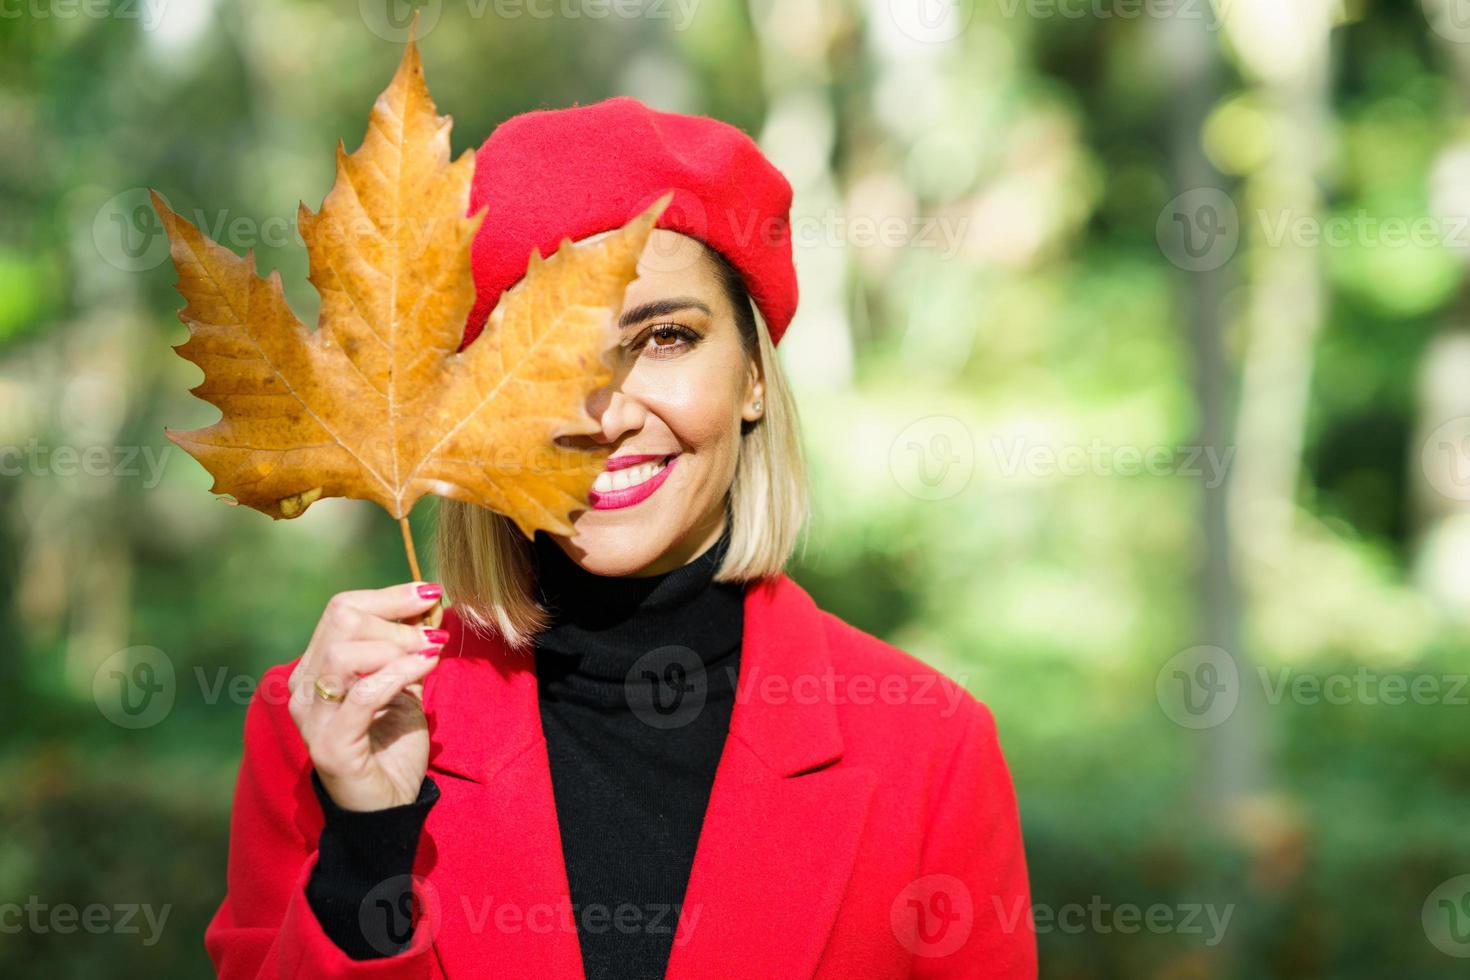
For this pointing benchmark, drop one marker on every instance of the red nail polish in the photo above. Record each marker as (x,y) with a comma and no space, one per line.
(432,590)
(427,652)
(440,637)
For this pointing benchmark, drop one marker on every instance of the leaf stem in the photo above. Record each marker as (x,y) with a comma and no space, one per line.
(413,560)
(435,615)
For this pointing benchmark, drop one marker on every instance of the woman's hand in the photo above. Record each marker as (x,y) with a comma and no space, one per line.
(370,747)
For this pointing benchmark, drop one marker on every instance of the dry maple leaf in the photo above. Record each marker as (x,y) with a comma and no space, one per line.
(378,403)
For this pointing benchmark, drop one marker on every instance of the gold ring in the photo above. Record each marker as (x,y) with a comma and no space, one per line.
(326,694)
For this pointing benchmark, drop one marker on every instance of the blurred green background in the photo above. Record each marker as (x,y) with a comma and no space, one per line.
(1134,369)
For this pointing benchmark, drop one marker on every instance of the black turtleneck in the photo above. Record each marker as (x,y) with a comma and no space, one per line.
(636,680)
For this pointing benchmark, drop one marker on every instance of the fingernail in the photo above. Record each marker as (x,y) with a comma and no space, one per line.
(440,637)
(431,590)
(428,652)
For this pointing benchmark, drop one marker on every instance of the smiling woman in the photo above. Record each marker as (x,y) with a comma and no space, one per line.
(644,751)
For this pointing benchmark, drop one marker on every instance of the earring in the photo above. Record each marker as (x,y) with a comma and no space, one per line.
(757,405)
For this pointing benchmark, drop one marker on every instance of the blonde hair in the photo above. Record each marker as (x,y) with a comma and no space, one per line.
(485,562)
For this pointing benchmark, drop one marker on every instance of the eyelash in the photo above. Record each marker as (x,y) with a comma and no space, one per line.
(689,337)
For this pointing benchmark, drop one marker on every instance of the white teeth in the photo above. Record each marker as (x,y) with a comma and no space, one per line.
(607,482)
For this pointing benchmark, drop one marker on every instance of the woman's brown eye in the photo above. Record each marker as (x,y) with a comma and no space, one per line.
(669,339)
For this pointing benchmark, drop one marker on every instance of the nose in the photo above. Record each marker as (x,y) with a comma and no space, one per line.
(617,412)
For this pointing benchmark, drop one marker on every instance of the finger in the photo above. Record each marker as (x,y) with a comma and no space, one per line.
(343,665)
(372,693)
(344,662)
(396,601)
(343,621)
(360,615)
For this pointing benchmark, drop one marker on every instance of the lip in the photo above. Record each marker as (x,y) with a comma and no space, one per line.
(623,462)
(628,496)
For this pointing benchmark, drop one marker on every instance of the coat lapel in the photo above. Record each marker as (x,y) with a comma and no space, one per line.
(494,855)
(775,850)
(783,824)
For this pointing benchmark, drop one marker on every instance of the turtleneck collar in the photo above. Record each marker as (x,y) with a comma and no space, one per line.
(602,624)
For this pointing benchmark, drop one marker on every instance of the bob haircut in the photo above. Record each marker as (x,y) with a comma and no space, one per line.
(485,562)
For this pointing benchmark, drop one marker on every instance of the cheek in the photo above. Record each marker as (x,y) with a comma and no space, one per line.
(701,411)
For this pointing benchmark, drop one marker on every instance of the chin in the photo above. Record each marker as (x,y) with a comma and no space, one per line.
(613,550)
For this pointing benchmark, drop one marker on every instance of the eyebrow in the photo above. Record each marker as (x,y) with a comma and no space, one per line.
(660,307)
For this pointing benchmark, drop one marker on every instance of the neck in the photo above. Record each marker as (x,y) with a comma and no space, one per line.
(679,556)
(601,625)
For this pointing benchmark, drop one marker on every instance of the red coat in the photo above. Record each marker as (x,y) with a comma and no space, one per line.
(862,824)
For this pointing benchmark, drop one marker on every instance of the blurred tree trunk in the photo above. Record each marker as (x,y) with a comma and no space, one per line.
(1284,50)
(1231,764)
(1250,524)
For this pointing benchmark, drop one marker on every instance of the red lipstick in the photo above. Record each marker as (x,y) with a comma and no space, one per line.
(628,496)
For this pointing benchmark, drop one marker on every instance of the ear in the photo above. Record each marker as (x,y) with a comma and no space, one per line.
(755,393)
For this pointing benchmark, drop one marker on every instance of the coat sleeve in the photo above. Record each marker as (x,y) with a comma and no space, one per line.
(974,867)
(265,926)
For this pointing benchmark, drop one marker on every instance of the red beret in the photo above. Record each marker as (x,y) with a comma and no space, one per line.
(569,173)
